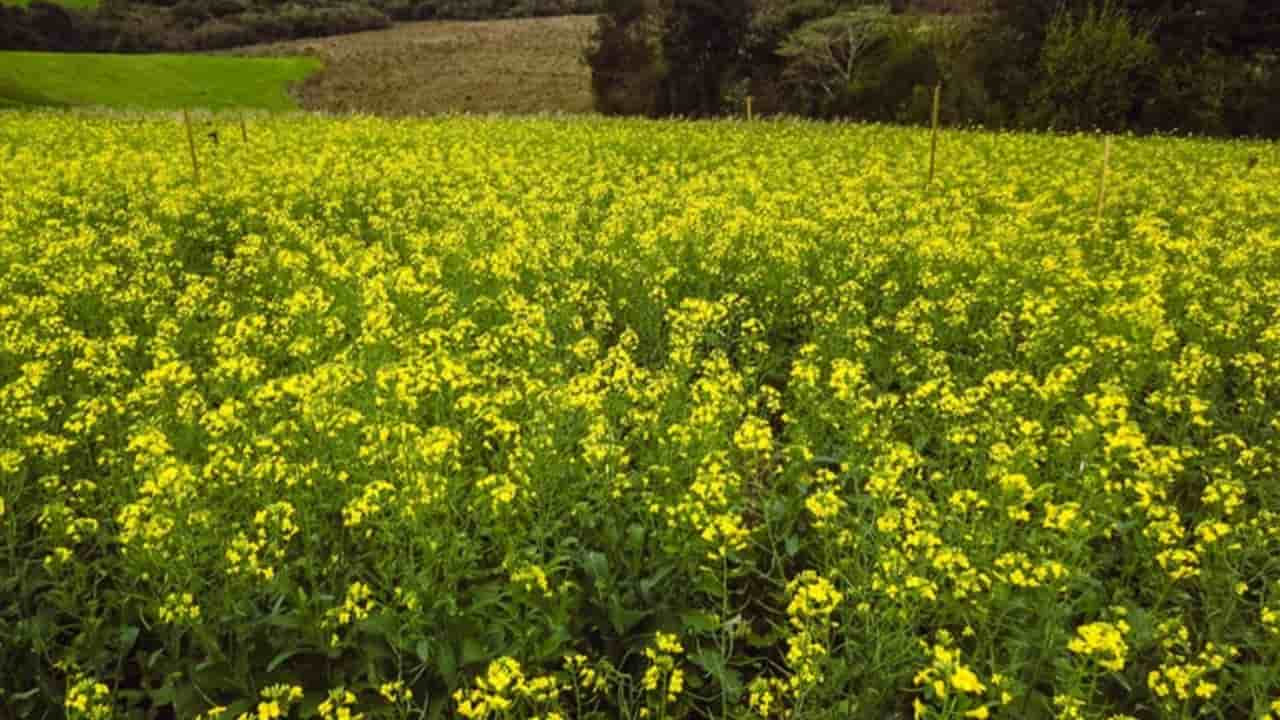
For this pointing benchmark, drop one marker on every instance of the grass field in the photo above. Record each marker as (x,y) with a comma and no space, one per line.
(508,66)
(155,82)
(516,418)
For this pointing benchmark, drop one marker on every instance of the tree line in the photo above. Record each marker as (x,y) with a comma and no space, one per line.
(1198,66)
(184,25)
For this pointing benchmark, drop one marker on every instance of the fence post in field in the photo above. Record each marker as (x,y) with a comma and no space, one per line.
(244,132)
(933,140)
(191,145)
(749,114)
(1102,178)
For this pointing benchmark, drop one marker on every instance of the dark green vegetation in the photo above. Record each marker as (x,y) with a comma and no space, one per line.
(149,81)
(77,4)
(525,65)
(184,25)
(1140,65)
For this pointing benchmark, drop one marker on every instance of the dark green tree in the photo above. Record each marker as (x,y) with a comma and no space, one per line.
(702,42)
(1237,28)
(624,58)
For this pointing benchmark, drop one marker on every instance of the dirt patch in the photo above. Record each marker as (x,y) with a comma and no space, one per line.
(508,66)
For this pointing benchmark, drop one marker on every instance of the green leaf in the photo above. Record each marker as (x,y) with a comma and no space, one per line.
(622,619)
(447,663)
(791,545)
(597,566)
(291,622)
(699,621)
(473,651)
(648,584)
(275,661)
(710,660)
(554,642)
(128,636)
(163,696)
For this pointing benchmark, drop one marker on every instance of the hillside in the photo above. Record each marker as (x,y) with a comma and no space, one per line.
(509,66)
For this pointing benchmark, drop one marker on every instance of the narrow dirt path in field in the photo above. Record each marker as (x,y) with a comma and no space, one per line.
(509,66)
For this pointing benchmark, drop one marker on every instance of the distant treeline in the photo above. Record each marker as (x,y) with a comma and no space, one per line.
(182,25)
(1117,65)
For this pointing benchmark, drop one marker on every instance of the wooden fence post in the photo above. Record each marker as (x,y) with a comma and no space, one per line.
(749,114)
(244,132)
(933,140)
(1102,179)
(191,145)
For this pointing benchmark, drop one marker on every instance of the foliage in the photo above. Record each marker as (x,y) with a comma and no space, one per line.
(666,57)
(621,419)
(864,63)
(1238,28)
(71,4)
(829,52)
(185,25)
(625,59)
(1140,65)
(701,41)
(1094,70)
(1172,65)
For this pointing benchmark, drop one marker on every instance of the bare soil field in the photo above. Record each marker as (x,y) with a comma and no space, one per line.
(505,66)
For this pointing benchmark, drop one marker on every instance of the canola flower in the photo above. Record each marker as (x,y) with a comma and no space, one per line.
(593,418)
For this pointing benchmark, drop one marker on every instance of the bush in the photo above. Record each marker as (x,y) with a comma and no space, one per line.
(624,57)
(41,26)
(265,26)
(222,34)
(1092,72)
(15,33)
(866,64)
(302,21)
(1253,110)
(542,8)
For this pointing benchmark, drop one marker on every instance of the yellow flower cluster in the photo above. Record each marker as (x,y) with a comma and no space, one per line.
(950,685)
(355,607)
(664,677)
(179,608)
(275,703)
(1102,641)
(338,706)
(1186,677)
(88,699)
(504,688)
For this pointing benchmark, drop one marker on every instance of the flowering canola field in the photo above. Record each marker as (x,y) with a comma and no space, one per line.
(597,419)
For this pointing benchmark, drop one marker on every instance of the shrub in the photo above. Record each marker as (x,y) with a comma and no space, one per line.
(222,34)
(624,57)
(53,23)
(191,12)
(1254,110)
(1092,70)
(302,21)
(866,64)
(701,43)
(265,26)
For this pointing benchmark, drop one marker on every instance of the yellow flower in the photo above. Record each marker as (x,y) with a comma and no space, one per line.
(965,681)
(1104,641)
